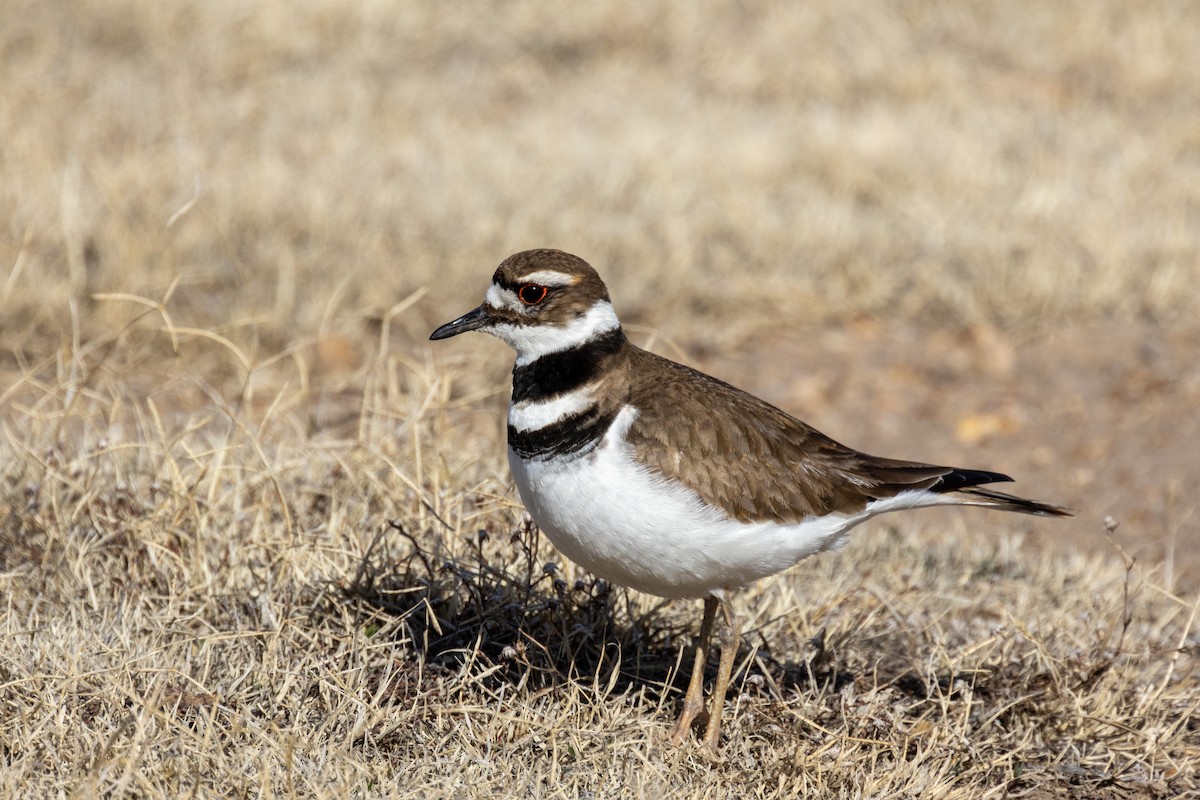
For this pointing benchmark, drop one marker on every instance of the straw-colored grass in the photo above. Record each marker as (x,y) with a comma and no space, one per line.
(242,498)
(225,607)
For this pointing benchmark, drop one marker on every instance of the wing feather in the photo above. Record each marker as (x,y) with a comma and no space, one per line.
(760,463)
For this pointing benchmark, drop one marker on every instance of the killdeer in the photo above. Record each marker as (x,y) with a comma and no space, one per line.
(661,478)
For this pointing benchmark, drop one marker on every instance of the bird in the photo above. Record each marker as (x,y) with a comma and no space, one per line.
(655,476)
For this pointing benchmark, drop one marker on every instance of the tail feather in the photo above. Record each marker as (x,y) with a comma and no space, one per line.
(963,478)
(963,485)
(952,485)
(1000,501)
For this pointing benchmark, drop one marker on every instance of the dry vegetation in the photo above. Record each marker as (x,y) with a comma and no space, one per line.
(241,548)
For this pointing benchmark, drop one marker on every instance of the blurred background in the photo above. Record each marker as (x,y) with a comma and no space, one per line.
(965,233)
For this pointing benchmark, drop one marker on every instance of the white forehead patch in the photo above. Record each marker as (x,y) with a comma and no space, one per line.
(498,297)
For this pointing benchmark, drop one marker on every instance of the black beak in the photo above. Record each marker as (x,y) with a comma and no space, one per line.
(467,322)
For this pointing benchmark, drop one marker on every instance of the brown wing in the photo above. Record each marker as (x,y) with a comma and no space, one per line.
(745,455)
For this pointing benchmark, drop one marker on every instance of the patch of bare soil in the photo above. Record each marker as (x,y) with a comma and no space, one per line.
(1103,418)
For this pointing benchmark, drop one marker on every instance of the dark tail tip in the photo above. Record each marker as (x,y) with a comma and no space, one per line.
(965,483)
(964,478)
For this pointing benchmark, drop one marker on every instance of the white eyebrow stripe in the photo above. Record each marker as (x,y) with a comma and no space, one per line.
(550,277)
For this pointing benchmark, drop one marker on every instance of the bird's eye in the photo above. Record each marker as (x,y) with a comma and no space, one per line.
(531,294)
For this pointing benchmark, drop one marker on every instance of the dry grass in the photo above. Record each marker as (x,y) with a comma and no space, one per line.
(225,233)
(172,626)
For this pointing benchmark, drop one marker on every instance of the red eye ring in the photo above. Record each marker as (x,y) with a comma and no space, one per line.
(531,293)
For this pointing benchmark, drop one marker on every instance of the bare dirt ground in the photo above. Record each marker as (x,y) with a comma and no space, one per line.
(1102,418)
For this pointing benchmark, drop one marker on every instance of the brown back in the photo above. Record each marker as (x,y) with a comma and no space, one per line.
(743,454)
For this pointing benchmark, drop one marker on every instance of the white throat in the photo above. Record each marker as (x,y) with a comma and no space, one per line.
(534,341)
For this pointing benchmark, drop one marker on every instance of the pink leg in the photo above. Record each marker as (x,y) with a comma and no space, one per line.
(693,701)
(730,635)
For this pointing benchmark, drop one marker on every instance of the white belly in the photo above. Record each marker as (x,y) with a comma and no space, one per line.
(628,525)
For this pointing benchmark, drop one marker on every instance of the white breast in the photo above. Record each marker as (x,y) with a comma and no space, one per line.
(532,415)
(608,513)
